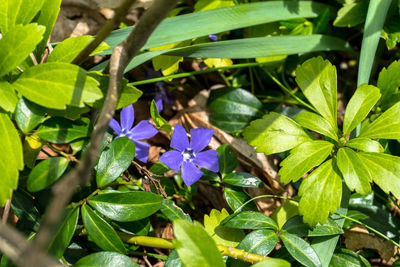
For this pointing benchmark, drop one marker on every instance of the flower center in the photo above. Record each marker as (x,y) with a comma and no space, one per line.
(124,132)
(188,154)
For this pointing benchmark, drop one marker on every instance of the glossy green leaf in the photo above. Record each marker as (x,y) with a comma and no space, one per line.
(316,123)
(128,206)
(11,160)
(260,242)
(195,246)
(236,197)
(316,77)
(360,104)
(351,14)
(69,49)
(59,130)
(115,160)
(320,193)
(17,44)
(172,211)
(365,144)
(141,227)
(389,81)
(300,250)
(100,231)
(8,97)
(347,258)
(386,126)
(384,169)
(106,259)
(64,234)
(296,226)
(243,179)
(227,159)
(46,173)
(28,115)
(160,122)
(354,172)
(24,208)
(173,260)
(274,133)
(272,262)
(69,82)
(13,12)
(249,220)
(302,158)
(285,211)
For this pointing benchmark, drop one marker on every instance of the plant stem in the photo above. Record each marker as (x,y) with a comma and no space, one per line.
(240,254)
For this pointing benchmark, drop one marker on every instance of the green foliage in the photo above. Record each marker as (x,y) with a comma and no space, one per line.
(227,159)
(173,212)
(316,123)
(106,259)
(389,82)
(8,97)
(27,115)
(272,262)
(160,122)
(46,173)
(249,220)
(243,179)
(260,242)
(14,12)
(236,197)
(296,226)
(351,14)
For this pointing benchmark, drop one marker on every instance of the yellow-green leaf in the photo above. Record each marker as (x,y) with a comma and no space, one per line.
(13,12)
(316,123)
(8,97)
(365,144)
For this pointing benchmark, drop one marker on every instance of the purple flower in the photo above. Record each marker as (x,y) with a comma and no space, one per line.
(163,96)
(143,130)
(188,157)
(213,37)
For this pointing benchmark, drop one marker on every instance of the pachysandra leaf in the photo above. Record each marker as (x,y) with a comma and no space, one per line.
(317,79)
(275,133)
(360,104)
(302,158)
(384,169)
(354,172)
(316,123)
(389,80)
(321,193)
(386,126)
(365,144)
(69,82)
(8,97)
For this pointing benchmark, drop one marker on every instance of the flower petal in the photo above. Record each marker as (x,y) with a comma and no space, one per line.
(159,103)
(127,117)
(208,160)
(190,173)
(173,159)
(200,138)
(143,130)
(115,126)
(179,140)
(142,151)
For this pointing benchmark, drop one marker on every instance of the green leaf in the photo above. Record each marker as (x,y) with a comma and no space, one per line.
(271,262)
(17,44)
(300,250)
(317,79)
(101,232)
(62,238)
(69,82)
(260,242)
(11,160)
(28,115)
(249,220)
(46,173)
(221,234)
(316,123)
(351,14)
(296,226)
(227,159)
(69,49)
(285,211)
(172,211)
(354,172)
(386,126)
(128,206)
(60,130)
(114,161)
(321,192)
(173,260)
(302,158)
(384,169)
(360,104)
(13,12)
(347,258)
(233,108)
(274,133)
(236,197)
(242,179)
(105,259)
(389,81)
(8,97)
(24,208)
(194,246)
(365,144)
(160,122)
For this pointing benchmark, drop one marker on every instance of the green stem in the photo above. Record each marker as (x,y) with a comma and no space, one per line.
(262,196)
(153,255)
(251,81)
(228,83)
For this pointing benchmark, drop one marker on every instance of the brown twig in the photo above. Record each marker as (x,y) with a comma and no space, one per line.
(148,174)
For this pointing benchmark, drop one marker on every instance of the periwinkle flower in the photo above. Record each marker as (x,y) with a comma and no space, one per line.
(188,156)
(213,37)
(143,130)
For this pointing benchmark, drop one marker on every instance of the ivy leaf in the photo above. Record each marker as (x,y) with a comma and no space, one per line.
(17,44)
(302,158)
(46,173)
(227,159)
(160,122)
(389,81)
(8,97)
(106,259)
(274,133)
(354,171)
(365,144)
(13,12)
(69,82)
(384,169)
(321,193)
(360,104)
(260,242)
(386,126)
(316,123)
(317,79)
(194,246)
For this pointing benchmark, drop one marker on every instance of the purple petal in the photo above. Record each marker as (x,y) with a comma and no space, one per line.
(142,151)
(115,126)
(208,160)
(213,37)
(179,140)
(173,159)
(159,103)
(143,130)
(200,138)
(190,173)
(127,117)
